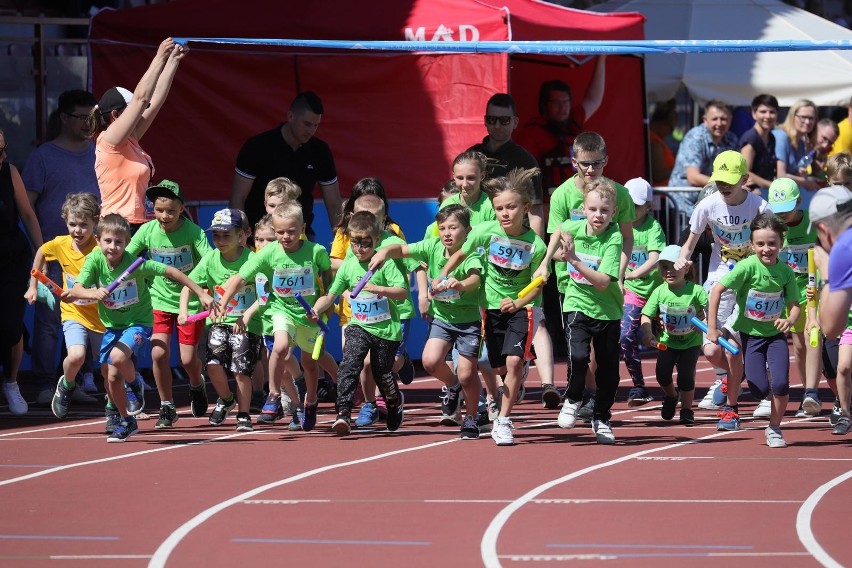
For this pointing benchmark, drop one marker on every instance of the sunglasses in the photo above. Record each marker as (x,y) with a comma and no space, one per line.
(492,120)
(362,243)
(595,165)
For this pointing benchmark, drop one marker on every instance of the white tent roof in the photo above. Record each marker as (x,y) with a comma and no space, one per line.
(822,76)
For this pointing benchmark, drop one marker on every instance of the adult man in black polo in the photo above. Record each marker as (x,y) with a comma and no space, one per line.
(290,151)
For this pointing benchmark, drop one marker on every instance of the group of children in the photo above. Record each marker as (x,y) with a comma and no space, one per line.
(479,270)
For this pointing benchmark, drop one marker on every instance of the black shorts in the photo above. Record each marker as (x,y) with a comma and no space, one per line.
(237,352)
(509,335)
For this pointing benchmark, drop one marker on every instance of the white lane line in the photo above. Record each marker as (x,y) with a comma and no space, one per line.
(579,501)
(161,555)
(51,428)
(803,522)
(623,556)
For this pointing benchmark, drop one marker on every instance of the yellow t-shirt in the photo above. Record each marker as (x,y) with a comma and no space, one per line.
(844,139)
(339,247)
(61,249)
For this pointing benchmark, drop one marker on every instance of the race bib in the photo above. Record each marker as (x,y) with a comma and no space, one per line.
(179,257)
(287,282)
(734,241)
(509,253)
(676,319)
(796,257)
(69,283)
(126,294)
(592,262)
(762,306)
(577,214)
(242,300)
(638,257)
(446,295)
(261,283)
(370,308)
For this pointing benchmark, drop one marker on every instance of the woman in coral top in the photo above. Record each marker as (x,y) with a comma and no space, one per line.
(117,124)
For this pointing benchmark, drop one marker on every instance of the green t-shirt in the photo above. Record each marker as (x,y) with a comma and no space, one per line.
(375,314)
(676,309)
(509,260)
(450,306)
(566,204)
(763,293)
(289,273)
(647,238)
(130,303)
(182,249)
(795,252)
(603,254)
(213,270)
(481,210)
(405,265)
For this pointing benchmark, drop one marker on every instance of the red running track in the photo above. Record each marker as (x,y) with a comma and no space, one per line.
(207,496)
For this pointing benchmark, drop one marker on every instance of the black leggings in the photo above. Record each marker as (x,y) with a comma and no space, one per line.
(685,360)
(359,343)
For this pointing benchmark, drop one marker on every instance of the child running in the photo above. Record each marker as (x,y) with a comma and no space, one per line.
(763,287)
(374,329)
(233,342)
(81,325)
(173,240)
(126,312)
(676,301)
(513,252)
(593,305)
(454,311)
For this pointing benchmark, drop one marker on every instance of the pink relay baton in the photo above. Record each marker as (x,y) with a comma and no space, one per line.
(198,316)
(124,275)
(202,315)
(361,283)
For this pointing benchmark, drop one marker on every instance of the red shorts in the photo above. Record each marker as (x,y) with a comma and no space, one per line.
(189,334)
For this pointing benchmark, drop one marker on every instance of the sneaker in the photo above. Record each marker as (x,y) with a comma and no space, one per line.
(17,405)
(720,395)
(568,415)
(687,416)
(113,419)
(521,392)
(61,398)
(295,420)
(493,408)
(168,417)
(309,417)
(638,396)
(550,397)
(368,415)
(452,420)
(764,409)
(341,425)
(450,403)
(126,428)
(774,439)
(78,396)
(669,406)
(470,428)
(221,411)
(89,385)
(198,400)
(841,428)
(501,432)
(135,396)
(406,372)
(484,422)
(729,419)
(244,423)
(587,410)
(811,404)
(707,402)
(800,413)
(271,410)
(395,415)
(603,432)
(382,407)
(836,413)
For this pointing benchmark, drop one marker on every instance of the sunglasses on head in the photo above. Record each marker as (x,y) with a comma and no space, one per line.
(492,120)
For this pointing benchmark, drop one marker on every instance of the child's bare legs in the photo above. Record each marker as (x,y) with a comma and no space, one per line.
(434,361)
(191,363)
(328,365)
(779,407)
(219,380)
(544,355)
(243,392)
(469,379)
(844,377)
(511,383)
(118,369)
(735,375)
(160,355)
(73,361)
(311,371)
(282,363)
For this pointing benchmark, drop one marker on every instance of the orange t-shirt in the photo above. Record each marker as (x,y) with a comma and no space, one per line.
(124,173)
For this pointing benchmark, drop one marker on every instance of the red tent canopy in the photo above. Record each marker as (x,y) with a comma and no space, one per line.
(402,117)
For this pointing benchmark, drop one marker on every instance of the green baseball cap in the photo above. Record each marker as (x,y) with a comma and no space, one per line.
(783,195)
(166,188)
(729,167)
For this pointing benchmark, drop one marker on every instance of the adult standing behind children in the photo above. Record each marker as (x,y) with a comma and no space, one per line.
(757,145)
(53,171)
(117,124)
(289,150)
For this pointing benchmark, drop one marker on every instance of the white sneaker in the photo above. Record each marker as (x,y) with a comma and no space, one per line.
(501,432)
(17,404)
(89,385)
(568,415)
(763,410)
(774,439)
(603,432)
(707,402)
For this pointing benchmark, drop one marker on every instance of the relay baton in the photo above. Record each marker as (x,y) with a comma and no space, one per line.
(536,282)
(202,315)
(310,310)
(361,283)
(733,349)
(315,355)
(658,345)
(124,275)
(42,277)
(198,316)
(812,303)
